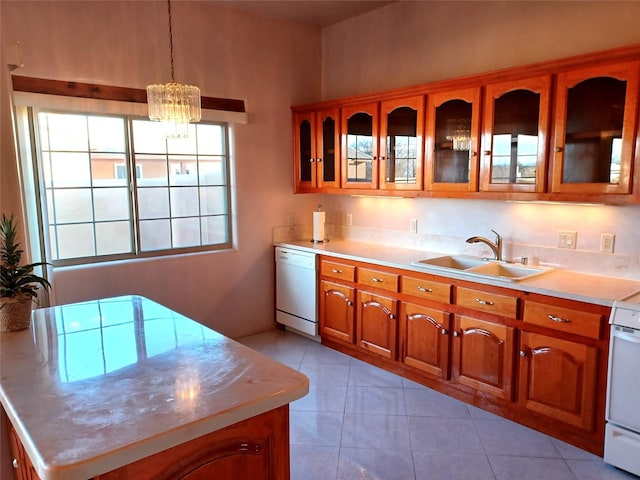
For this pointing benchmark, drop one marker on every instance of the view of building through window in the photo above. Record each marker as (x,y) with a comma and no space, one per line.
(94,206)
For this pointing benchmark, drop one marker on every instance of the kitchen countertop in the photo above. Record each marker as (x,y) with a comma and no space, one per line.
(597,289)
(94,386)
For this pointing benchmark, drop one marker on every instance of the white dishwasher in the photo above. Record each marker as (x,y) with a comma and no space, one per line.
(296,304)
(622,434)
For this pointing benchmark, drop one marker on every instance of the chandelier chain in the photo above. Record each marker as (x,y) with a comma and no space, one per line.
(171,41)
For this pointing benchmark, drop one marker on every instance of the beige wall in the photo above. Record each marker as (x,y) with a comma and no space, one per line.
(413,42)
(271,65)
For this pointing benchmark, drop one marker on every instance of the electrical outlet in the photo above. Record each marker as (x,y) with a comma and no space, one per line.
(567,239)
(348,219)
(291,220)
(606,242)
(413,225)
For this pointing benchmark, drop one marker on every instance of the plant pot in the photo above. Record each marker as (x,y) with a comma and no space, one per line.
(15,314)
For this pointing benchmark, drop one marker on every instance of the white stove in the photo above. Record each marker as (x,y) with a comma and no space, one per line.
(622,434)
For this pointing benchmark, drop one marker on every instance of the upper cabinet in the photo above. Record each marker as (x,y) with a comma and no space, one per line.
(515,135)
(401,143)
(565,130)
(360,146)
(453,123)
(595,129)
(316,149)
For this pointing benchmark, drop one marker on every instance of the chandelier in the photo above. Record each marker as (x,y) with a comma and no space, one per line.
(172,103)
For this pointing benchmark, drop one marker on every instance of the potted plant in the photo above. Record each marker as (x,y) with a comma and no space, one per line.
(18,283)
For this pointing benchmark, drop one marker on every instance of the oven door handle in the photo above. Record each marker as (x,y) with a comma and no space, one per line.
(627,337)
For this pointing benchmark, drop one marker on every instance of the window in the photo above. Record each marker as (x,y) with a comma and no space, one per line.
(95,210)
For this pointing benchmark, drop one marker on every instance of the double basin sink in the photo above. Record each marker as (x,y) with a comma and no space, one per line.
(479,267)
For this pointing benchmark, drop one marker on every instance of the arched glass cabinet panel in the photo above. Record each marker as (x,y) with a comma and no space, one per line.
(360,146)
(452,140)
(516,119)
(594,129)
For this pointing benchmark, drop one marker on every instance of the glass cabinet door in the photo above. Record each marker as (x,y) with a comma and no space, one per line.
(452,140)
(304,126)
(516,119)
(360,146)
(401,133)
(328,135)
(594,127)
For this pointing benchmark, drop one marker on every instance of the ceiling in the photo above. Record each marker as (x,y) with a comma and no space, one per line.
(310,12)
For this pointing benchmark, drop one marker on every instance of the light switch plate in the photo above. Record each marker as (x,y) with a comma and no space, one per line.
(567,239)
(413,225)
(606,242)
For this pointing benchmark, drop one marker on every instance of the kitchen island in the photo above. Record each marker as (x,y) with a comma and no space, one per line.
(126,388)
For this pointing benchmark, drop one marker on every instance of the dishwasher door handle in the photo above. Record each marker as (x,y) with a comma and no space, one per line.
(627,337)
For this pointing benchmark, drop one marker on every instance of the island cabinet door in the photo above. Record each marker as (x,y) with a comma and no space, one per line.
(558,379)
(377,324)
(256,448)
(483,356)
(425,339)
(22,466)
(337,318)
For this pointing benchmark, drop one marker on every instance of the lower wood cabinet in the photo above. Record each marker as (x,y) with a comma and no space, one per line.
(483,354)
(337,312)
(22,466)
(533,358)
(377,326)
(425,339)
(558,379)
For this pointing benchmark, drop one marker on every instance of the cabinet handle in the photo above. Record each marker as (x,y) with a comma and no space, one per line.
(318,159)
(474,154)
(15,464)
(557,149)
(424,290)
(335,270)
(523,353)
(484,302)
(558,319)
(377,280)
(392,317)
(349,303)
(311,160)
(487,152)
(444,331)
(456,334)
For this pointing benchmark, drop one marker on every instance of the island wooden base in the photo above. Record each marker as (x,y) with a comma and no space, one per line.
(256,448)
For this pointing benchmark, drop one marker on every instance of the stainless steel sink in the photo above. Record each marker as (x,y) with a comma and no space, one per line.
(479,267)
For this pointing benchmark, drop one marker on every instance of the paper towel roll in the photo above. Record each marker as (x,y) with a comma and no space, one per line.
(318,227)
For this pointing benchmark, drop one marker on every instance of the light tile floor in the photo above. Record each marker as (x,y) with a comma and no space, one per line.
(361,422)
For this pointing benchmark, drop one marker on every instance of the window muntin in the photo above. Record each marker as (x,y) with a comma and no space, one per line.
(95,211)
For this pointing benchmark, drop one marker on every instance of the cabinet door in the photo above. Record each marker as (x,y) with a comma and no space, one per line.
(514,139)
(594,135)
(22,467)
(483,356)
(359,148)
(401,144)
(558,378)
(453,122)
(328,148)
(304,145)
(336,312)
(425,339)
(377,326)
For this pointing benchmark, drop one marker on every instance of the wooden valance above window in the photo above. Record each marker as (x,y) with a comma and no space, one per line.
(106,92)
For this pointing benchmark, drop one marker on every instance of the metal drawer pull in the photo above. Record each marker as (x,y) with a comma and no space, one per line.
(558,319)
(484,302)
(443,331)
(424,290)
(377,280)
(392,317)
(349,303)
(335,270)
(15,463)
(523,353)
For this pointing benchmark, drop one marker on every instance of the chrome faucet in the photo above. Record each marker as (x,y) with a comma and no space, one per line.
(495,247)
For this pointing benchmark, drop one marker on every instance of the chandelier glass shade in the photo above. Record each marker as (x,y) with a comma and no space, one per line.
(174,104)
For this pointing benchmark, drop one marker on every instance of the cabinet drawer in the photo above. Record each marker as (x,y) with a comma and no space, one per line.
(567,320)
(338,270)
(377,279)
(502,305)
(428,289)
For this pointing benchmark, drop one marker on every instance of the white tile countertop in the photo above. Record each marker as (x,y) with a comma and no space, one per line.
(597,289)
(94,386)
